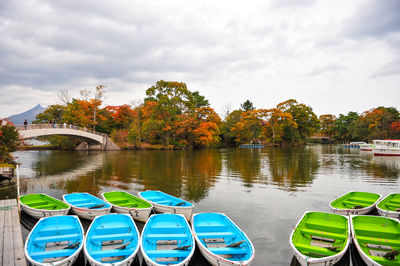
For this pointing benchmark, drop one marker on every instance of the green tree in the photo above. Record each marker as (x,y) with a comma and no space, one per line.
(247,106)
(344,126)
(228,136)
(52,113)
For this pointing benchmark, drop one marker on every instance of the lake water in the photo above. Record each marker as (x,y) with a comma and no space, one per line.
(264,191)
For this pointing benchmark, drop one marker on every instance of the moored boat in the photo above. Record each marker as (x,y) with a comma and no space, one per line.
(165,203)
(355,203)
(366,147)
(86,205)
(123,202)
(320,238)
(387,148)
(221,241)
(390,206)
(112,239)
(377,239)
(42,205)
(167,240)
(55,241)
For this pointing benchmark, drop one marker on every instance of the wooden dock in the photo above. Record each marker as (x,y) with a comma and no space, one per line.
(11,245)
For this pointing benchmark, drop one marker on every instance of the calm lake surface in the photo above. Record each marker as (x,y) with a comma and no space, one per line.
(264,191)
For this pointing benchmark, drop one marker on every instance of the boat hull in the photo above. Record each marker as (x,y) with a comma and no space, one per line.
(139,214)
(387,207)
(69,260)
(345,204)
(169,204)
(126,233)
(386,152)
(207,223)
(41,203)
(379,235)
(167,228)
(328,260)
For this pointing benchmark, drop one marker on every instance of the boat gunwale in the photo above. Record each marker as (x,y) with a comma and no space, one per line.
(359,249)
(355,211)
(311,260)
(387,212)
(60,262)
(133,255)
(126,208)
(203,247)
(186,260)
(169,206)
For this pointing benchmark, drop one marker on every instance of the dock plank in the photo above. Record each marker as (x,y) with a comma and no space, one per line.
(8,249)
(11,244)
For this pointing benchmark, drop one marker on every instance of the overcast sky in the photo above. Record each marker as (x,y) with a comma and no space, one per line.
(336,56)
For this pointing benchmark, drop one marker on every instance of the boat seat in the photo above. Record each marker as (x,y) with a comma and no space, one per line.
(117,202)
(314,249)
(354,203)
(168,253)
(319,226)
(112,237)
(111,253)
(375,240)
(79,201)
(386,234)
(397,202)
(167,236)
(112,230)
(393,205)
(57,231)
(57,238)
(52,253)
(215,234)
(226,250)
(155,199)
(46,207)
(34,203)
(361,200)
(312,232)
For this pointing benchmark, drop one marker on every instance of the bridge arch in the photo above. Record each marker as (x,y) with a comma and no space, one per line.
(94,140)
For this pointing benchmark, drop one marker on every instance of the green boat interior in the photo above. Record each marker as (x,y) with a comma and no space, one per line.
(123,199)
(390,203)
(355,200)
(43,202)
(379,238)
(321,234)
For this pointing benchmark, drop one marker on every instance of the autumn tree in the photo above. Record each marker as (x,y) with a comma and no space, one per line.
(327,124)
(306,120)
(248,128)
(9,140)
(276,125)
(229,137)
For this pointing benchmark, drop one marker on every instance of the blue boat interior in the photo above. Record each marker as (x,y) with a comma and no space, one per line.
(164,199)
(222,237)
(167,239)
(86,200)
(112,238)
(55,238)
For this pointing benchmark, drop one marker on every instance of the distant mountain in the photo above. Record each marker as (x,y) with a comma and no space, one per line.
(29,115)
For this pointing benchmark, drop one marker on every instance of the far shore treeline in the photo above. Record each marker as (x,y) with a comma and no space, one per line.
(172,116)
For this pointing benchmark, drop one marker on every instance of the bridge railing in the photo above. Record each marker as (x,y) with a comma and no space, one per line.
(66,126)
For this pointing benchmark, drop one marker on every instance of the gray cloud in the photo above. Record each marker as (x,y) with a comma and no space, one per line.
(375,19)
(389,69)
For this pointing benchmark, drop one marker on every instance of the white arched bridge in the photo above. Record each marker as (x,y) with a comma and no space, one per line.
(91,140)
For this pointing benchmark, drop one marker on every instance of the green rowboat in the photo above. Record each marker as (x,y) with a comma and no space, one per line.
(377,239)
(320,238)
(124,202)
(355,203)
(42,205)
(390,206)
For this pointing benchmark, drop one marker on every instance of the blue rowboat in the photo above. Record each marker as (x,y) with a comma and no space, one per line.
(165,203)
(112,239)
(55,240)
(221,241)
(86,205)
(167,240)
